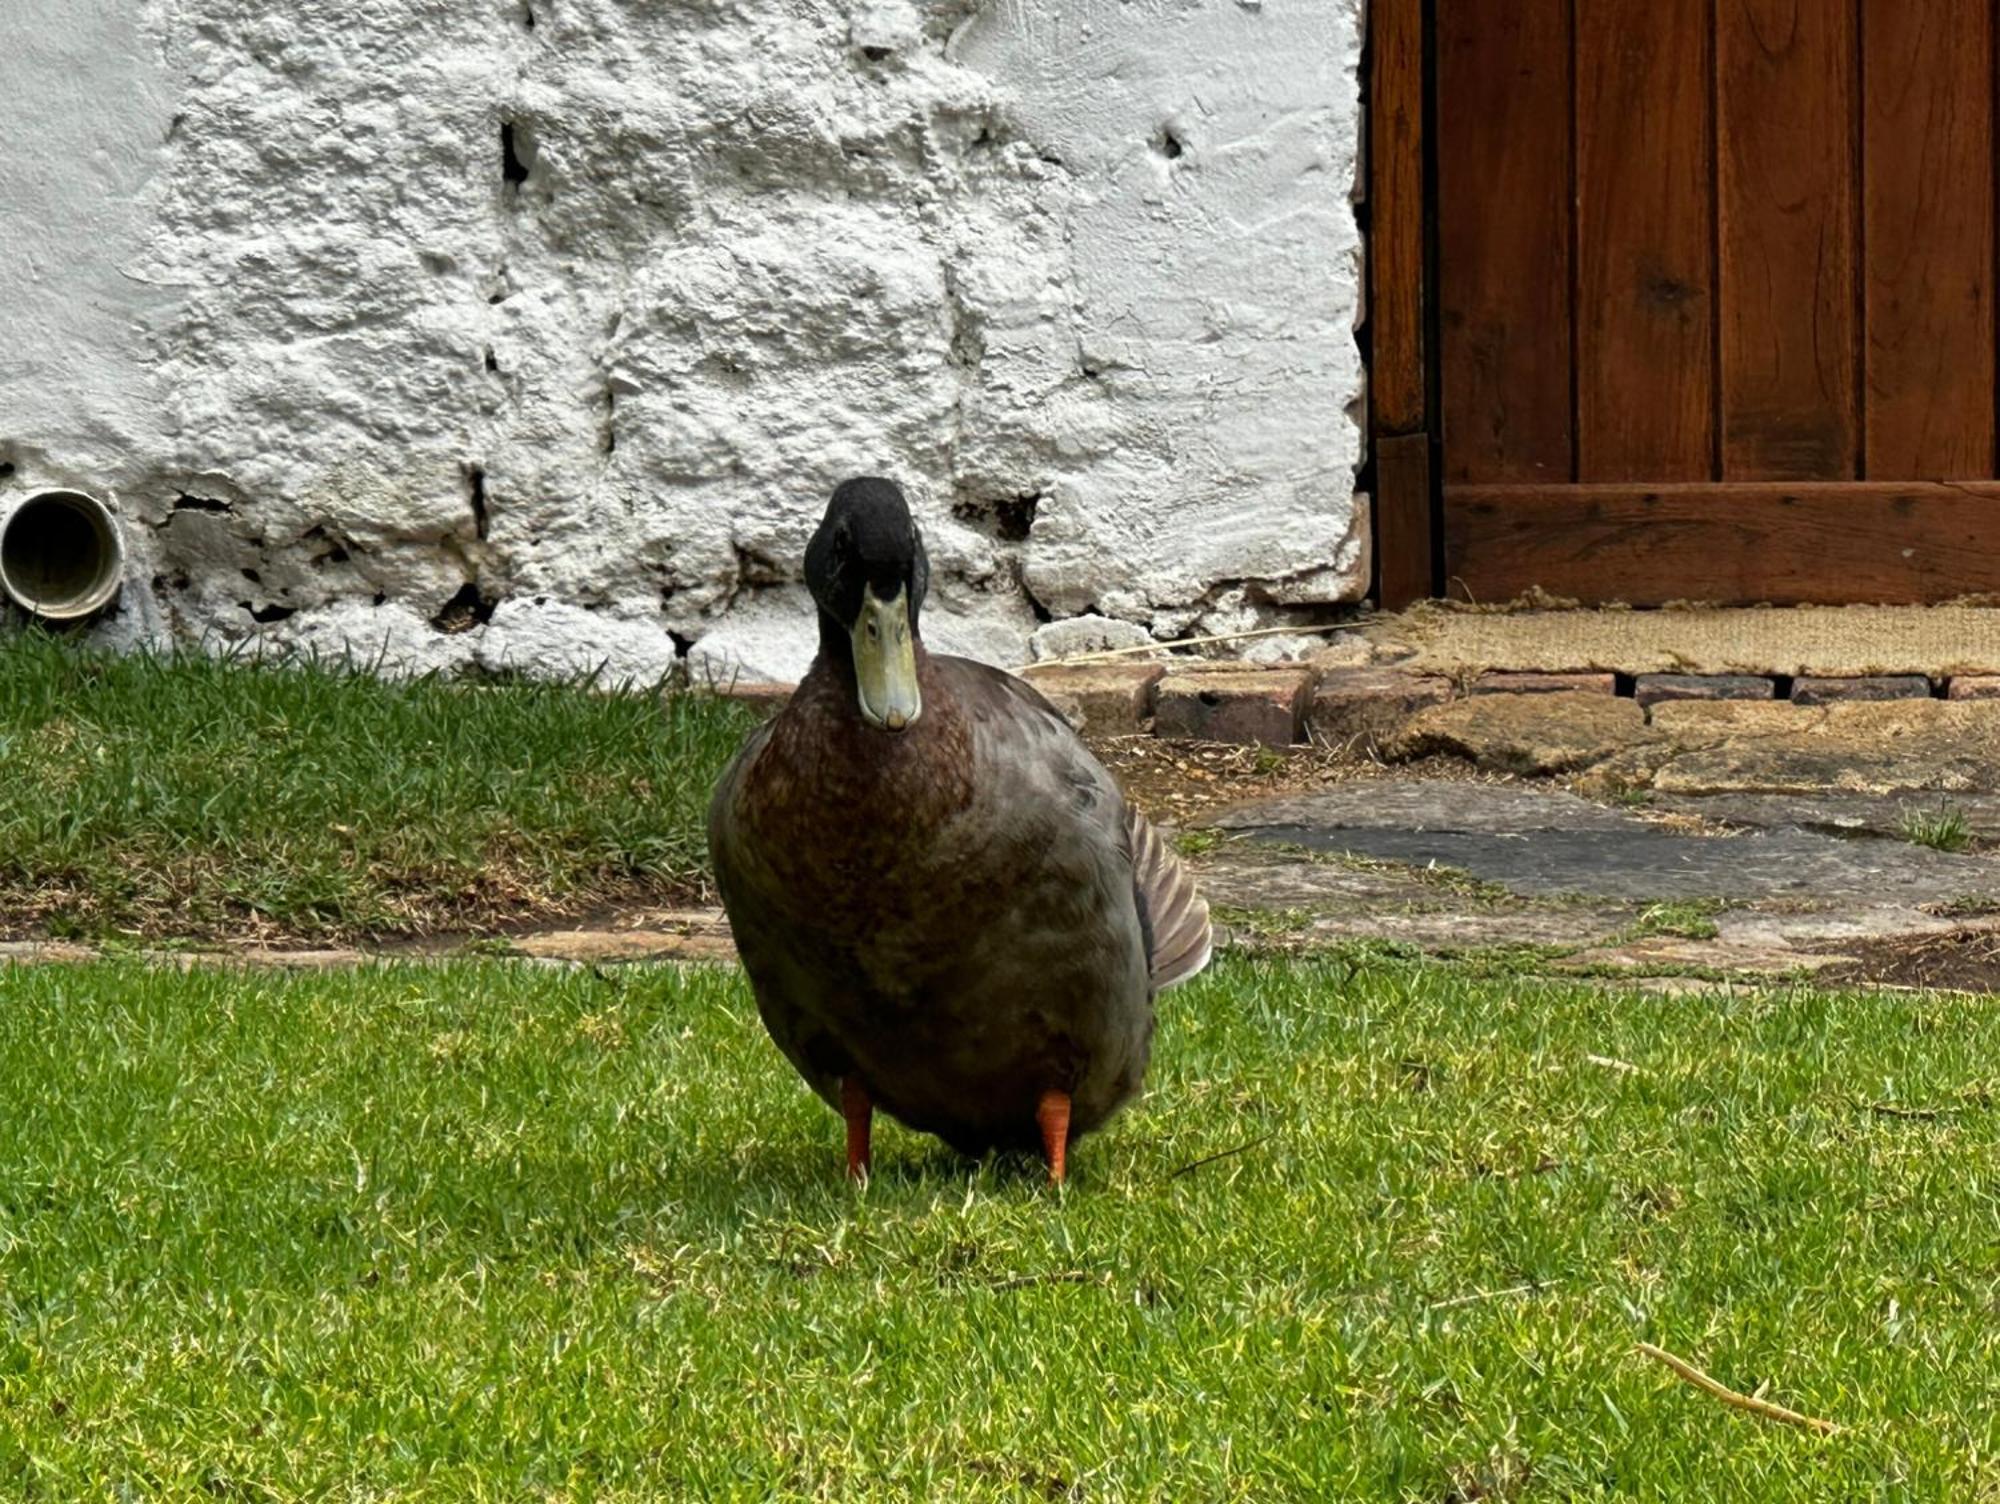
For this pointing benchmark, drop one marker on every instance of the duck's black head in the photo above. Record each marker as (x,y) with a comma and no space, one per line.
(867,570)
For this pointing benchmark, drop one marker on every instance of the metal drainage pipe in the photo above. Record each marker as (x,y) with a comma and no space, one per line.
(61,555)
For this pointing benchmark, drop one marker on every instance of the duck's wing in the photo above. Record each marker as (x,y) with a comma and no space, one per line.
(1172,914)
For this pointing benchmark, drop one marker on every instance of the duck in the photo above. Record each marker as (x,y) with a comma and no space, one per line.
(947,909)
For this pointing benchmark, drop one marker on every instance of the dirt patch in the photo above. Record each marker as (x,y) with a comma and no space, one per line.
(1179,782)
(1960,961)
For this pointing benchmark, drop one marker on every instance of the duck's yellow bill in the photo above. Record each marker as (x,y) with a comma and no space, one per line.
(885,663)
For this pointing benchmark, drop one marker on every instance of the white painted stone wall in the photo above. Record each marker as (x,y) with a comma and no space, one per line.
(532,334)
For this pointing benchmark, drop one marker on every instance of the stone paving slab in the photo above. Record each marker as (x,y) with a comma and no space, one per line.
(1547,843)
(1758,927)
(1425,804)
(32,952)
(264,957)
(1646,863)
(667,935)
(1614,892)
(1856,815)
(1464,927)
(1670,953)
(1259,875)
(1692,747)
(593,946)
(1851,747)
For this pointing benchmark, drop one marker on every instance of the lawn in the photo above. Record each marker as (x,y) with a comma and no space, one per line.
(193,797)
(485,1230)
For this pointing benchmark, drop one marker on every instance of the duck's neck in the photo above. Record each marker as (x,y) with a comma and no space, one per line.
(836,654)
(831,756)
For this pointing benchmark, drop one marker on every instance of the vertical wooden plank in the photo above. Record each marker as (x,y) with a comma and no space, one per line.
(1785,96)
(1503,162)
(1396,379)
(1927,142)
(1645,241)
(1402,520)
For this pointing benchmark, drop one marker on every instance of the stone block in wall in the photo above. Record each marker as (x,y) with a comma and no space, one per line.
(1365,707)
(1656,689)
(1973,687)
(1261,706)
(1813,690)
(1497,683)
(1106,699)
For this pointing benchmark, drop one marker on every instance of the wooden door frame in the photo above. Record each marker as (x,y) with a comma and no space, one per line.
(1401,258)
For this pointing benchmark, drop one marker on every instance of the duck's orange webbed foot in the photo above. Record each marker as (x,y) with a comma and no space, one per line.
(1052,1115)
(860,1113)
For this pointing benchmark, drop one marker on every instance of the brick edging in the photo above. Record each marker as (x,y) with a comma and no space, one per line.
(1251,705)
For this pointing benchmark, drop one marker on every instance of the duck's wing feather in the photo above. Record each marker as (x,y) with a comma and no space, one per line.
(1171,912)
(1176,915)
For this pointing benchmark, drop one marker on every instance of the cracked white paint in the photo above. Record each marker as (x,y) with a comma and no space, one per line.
(1086,271)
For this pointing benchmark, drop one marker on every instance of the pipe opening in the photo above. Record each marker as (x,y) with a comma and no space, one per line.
(60,555)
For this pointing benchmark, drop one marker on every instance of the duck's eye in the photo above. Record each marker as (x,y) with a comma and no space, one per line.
(874,631)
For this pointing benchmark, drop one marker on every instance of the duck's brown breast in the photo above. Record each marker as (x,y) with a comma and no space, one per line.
(852,822)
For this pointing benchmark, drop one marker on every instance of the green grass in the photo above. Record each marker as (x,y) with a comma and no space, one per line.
(1198,842)
(488,1231)
(1684,919)
(1262,924)
(195,797)
(1941,829)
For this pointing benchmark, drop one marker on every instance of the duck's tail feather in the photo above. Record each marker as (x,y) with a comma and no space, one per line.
(1176,916)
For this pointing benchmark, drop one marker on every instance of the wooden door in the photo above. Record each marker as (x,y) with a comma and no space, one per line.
(1709,297)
